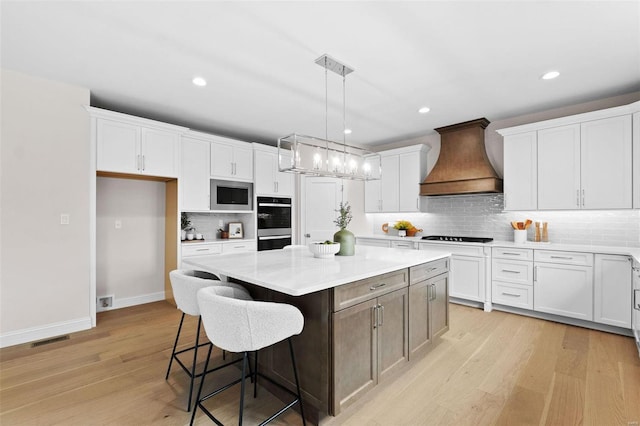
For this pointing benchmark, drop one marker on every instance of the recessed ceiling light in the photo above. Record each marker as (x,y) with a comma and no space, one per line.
(424,110)
(347,131)
(199,81)
(550,75)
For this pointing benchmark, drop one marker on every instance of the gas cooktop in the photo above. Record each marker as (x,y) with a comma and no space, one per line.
(458,239)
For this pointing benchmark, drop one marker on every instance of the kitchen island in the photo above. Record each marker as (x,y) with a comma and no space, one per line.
(367,317)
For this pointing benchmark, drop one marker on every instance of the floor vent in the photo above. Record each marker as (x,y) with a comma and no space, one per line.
(52,340)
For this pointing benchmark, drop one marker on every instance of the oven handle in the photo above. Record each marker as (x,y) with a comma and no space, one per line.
(273,205)
(275,237)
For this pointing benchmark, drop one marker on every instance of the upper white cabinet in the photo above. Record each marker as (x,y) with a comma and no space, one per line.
(636,160)
(403,170)
(559,168)
(521,172)
(578,162)
(132,145)
(194,178)
(269,180)
(232,160)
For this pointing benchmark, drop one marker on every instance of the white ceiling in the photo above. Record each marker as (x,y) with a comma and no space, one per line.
(464,60)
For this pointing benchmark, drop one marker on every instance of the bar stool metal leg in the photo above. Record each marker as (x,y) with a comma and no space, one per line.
(175,345)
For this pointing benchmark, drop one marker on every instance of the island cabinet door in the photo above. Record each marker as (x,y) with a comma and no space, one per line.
(419,330)
(355,361)
(393,339)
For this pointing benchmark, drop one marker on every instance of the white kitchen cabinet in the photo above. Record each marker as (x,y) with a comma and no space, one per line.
(636,160)
(403,244)
(194,175)
(559,168)
(512,277)
(565,287)
(612,290)
(467,270)
(231,160)
(390,182)
(127,147)
(373,242)
(521,171)
(606,163)
(398,190)
(240,246)
(269,180)
(586,161)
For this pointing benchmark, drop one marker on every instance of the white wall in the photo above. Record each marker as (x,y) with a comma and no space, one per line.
(44,157)
(130,260)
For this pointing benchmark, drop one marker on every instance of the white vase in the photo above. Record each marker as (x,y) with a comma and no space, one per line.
(183,235)
(402,233)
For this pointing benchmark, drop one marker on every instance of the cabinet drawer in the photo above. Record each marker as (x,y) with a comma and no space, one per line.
(512,253)
(359,291)
(372,242)
(564,257)
(403,244)
(427,270)
(201,249)
(458,249)
(239,247)
(519,272)
(519,296)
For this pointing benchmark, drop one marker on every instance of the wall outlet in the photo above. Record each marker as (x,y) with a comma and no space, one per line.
(64,218)
(220,224)
(104,303)
(118,224)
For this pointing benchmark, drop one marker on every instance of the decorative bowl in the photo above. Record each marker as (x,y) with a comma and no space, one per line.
(324,251)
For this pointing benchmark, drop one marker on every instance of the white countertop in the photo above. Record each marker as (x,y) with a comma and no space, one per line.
(296,272)
(625,251)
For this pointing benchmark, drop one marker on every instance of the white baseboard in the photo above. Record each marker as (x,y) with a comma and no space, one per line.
(44,332)
(135,300)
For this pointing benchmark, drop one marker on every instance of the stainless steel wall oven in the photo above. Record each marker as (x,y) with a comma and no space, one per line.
(274,223)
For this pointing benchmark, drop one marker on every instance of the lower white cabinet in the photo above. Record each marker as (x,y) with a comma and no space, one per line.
(563,289)
(612,290)
(239,247)
(512,277)
(467,279)
(373,242)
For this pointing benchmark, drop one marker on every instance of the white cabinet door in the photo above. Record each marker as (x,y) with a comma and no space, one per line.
(264,175)
(159,153)
(389,183)
(559,168)
(565,290)
(373,242)
(467,278)
(606,163)
(372,202)
(636,160)
(284,181)
(118,147)
(612,290)
(194,176)
(221,160)
(521,172)
(243,163)
(409,182)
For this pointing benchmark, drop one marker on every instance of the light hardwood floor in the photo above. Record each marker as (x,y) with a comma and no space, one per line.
(490,368)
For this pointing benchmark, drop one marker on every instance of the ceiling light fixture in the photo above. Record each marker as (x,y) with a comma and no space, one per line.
(424,110)
(199,81)
(323,157)
(550,75)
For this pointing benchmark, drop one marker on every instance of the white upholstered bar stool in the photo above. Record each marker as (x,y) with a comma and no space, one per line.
(185,285)
(247,326)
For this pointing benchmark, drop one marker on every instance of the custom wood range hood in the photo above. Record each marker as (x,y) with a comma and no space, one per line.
(463,166)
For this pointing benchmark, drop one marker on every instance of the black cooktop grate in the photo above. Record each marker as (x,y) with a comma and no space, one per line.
(458,239)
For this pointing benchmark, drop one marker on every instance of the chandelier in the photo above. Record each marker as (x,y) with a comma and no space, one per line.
(322,157)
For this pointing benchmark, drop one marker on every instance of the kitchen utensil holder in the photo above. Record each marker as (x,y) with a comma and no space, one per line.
(519,236)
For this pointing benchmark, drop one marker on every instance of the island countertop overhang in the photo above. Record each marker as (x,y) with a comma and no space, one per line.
(296,272)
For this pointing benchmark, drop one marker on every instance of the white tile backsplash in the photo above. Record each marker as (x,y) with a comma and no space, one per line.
(482,216)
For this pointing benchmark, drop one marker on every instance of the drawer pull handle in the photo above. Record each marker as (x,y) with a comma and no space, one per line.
(377,286)
(562,257)
(509,270)
(431,269)
(203,249)
(510,294)
(506,253)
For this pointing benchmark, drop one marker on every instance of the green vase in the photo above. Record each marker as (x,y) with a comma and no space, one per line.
(347,242)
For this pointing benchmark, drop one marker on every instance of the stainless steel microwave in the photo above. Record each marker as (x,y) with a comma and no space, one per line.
(231,195)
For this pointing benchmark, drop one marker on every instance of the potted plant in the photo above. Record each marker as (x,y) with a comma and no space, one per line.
(345,237)
(402,226)
(185,225)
